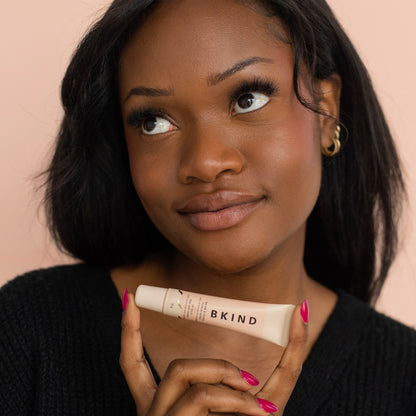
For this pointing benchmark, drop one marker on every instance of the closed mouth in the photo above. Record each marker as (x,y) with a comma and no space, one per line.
(217,202)
(218,212)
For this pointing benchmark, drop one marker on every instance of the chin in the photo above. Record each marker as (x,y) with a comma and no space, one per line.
(228,262)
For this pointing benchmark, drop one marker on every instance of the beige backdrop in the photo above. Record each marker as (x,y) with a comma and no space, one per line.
(37,39)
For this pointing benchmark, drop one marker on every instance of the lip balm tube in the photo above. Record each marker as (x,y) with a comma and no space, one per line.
(268,321)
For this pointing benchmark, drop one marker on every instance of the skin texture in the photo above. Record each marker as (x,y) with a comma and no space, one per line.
(206,151)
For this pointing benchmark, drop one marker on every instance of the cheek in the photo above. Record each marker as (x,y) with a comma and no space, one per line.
(148,174)
(302,153)
(293,168)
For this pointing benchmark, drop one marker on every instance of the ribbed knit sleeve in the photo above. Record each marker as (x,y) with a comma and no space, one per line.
(364,363)
(381,374)
(18,351)
(60,345)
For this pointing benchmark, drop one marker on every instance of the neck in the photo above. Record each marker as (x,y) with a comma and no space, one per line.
(279,279)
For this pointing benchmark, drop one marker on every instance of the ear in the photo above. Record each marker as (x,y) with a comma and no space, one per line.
(328,97)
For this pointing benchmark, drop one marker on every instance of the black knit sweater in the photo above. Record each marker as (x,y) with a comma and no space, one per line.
(60,346)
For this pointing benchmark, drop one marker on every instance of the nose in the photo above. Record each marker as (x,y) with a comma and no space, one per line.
(208,153)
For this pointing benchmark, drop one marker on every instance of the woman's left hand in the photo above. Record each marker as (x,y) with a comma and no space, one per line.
(280,385)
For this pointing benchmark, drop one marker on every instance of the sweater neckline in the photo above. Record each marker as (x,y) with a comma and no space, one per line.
(325,363)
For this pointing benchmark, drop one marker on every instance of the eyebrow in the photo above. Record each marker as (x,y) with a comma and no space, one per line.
(149,92)
(212,79)
(216,78)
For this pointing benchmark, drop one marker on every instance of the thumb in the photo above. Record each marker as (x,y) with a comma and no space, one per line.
(133,363)
(279,387)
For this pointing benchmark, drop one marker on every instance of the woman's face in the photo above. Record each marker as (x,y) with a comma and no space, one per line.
(224,158)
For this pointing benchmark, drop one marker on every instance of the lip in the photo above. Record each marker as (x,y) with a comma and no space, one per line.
(219,210)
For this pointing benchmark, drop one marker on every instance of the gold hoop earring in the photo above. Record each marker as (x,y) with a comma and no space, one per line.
(335,146)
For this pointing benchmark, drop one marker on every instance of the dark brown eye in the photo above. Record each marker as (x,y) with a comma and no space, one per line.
(156,125)
(246,101)
(250,102)
(149,124)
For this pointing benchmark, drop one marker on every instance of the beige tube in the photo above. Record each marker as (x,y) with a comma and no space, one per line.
(263,320)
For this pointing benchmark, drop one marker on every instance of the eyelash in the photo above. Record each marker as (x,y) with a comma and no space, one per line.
(257,84)
(138,115)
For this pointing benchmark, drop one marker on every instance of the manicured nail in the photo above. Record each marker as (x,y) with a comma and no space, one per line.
(125,299)
(304,311)
(267,406)
(249,378)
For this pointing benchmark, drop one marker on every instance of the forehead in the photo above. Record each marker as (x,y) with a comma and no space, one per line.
(191,37)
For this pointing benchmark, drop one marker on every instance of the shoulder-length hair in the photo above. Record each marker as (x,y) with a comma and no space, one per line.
(95,214)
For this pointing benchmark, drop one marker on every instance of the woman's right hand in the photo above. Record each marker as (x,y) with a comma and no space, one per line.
(191,387)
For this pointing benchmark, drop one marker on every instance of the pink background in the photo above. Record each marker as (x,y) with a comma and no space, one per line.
(37,39)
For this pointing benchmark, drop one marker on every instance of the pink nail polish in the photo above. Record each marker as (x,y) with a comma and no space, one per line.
(304,311)
(125,300)
(267,406)
(249,378)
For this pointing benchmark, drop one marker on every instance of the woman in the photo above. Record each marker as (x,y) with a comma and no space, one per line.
(227,147)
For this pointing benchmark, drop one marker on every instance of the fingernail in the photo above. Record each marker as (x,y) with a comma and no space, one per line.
(249,378)
(125,300)
(267,406)
(304,311)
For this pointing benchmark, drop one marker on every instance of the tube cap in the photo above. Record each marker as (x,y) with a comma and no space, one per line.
(150,297)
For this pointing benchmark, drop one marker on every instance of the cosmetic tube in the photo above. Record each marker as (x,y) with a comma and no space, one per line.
(262,320)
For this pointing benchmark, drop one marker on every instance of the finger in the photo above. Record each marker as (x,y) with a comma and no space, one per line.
(135,368)
(281,383)
(182,374)
(202,399)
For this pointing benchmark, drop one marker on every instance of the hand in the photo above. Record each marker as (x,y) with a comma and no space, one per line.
(279,387)
(199,387)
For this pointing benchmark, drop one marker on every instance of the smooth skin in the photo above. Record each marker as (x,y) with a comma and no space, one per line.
(191,137)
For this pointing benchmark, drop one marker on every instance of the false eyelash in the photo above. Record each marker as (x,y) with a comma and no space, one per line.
(257,84)
(136,116)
